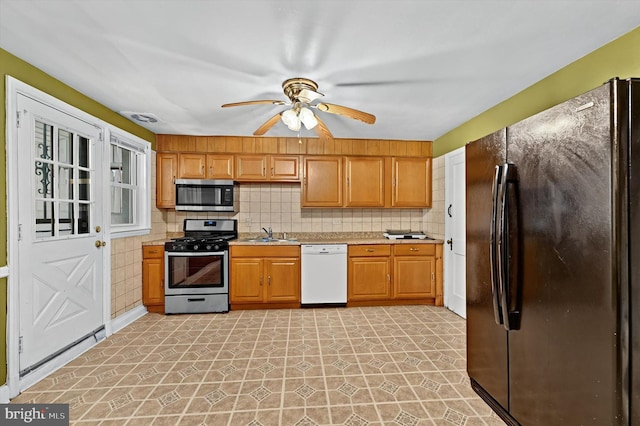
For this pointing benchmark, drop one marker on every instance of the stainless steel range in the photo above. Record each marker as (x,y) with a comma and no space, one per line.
(197,267)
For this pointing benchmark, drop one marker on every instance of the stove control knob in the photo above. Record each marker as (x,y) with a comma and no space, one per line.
(216,247)
(195,247)
(208,247)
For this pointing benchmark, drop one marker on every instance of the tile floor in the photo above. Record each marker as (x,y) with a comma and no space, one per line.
(401,365)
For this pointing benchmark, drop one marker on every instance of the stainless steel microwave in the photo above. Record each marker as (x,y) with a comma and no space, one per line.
(206,195)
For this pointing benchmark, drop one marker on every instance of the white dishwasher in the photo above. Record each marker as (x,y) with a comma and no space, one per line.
(324,274)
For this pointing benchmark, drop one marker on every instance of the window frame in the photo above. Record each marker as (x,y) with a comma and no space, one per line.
(142,204)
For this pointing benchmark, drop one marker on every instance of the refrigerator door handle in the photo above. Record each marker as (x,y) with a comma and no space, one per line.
(508,252)
(493,248)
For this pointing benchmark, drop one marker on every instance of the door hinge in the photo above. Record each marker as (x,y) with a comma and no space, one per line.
(20,345)
(18,119)
(433,276)
(101,137)
(19,232)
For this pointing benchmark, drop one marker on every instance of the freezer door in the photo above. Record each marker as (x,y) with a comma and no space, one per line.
(563,360)
(486,337)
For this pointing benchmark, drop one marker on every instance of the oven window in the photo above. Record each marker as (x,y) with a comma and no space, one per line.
(196,271)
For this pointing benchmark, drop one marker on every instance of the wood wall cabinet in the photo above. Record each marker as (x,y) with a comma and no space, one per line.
(264,276)
(397,274)
(272,168)
(205,166)
(153,278)
(369,273)
(411,182)
(321,181)
(364,181)
(166,172)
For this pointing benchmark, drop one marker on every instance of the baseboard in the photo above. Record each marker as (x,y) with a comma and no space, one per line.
(127,318)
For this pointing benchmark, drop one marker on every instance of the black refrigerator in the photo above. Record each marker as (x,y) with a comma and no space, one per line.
(553,263)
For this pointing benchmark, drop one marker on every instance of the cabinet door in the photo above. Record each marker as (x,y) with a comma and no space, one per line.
(284,168)
(152,275)
(322,182)
(283,279)
(246,281)
(414,277)
(251,167)
(219,166)
(364,182)
(411,182)
(369,278)
(192,166)
(166,172)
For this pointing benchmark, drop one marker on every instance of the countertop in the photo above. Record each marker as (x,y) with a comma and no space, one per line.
(318,238)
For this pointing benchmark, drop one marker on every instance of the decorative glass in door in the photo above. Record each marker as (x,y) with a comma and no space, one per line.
(62,182)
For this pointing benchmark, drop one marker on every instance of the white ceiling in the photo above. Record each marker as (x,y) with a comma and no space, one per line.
(422,67)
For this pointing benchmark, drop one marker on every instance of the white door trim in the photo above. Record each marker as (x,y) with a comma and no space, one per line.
(13,88)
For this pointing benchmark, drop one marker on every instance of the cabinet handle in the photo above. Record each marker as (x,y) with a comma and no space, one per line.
(433,276)
(370,250)
(304,180)
(388,278)
(347,181)
(393,182)
(413,249)
(269,279)
(202,170)
(264,171)
(153,251)
(272,171)
(260,279)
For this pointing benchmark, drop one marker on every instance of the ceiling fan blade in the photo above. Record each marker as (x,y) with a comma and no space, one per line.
(348,112)
(322,130)
(265,101)
(267,125)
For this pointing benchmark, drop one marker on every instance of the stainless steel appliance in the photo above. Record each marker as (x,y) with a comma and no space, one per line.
(324,275)
(553,240)
(206,195)
(197,267)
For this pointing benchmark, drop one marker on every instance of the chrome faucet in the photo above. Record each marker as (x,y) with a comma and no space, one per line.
(269,232)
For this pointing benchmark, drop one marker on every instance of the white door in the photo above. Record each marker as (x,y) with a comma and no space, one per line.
(60,220)
(455,233)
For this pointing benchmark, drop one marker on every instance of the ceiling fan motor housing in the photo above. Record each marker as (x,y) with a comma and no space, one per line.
(294,89)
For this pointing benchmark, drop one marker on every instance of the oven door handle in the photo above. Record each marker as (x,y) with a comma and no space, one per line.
(194,253)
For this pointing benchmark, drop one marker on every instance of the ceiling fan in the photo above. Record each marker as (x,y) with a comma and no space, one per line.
(302,94)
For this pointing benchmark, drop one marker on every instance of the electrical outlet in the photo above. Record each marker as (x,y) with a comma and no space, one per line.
(337,221)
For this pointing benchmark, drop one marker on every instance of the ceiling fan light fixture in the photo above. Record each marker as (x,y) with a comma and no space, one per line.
(308,118)
(291,119)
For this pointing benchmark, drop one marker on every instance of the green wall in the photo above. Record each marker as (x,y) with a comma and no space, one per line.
(17,68)
(619,58)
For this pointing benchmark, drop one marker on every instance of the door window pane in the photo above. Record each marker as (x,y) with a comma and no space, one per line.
(66,223)
(84,218)
(84,185)
(44,180)
(44,219)
(65,183)
(65,147)
(44,140)
(83,151)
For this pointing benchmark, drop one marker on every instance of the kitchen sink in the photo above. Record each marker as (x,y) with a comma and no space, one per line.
(269,240)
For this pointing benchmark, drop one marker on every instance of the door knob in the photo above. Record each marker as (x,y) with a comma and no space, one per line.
(450,242)
(100,243)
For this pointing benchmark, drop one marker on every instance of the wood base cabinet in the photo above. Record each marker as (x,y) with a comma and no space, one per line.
(264,277)
(398,274)
(368,273)
(153,278)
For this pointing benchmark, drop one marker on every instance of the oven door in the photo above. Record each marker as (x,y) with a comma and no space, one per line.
(196,273)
